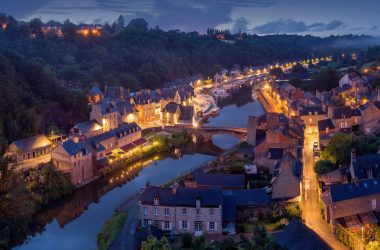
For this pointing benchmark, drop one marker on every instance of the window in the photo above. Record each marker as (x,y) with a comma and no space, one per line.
(155,201)
(198,211)
(198,225)
(156,211)
(211,211)
(156,223)
(211,226)
(145,210)
(373,204)
(167,225)
(166,211)
(198,203)
(184,211)
(184,225)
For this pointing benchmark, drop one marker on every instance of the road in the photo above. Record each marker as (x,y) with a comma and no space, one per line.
(311,210)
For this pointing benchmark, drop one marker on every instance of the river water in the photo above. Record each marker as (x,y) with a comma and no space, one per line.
(73,222)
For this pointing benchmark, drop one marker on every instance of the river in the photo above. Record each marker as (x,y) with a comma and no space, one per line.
(73,222)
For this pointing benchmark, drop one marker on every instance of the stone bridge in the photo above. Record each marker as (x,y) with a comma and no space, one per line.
(205,133)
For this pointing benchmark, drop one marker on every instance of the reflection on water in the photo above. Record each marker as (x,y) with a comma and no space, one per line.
(73,222)
(225,141)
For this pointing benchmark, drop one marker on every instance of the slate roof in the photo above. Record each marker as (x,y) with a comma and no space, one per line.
(184,196)
(145,96)
(365,163)
(88,126)
(346,112)
(171,108)
(323,124)
(124,107)
(121,131)
(249,197)
(95,90)
(347,191)
(114,92)
(276,153)
(187,113)
(31,143)
(297,236)
(107,107)
(73,148)
(220,180)
(306,110)
(167,93)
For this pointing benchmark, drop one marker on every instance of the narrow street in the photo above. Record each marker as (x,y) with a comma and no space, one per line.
(311,210)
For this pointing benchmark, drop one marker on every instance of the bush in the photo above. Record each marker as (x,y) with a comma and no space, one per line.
(293,210)
(187,240)
(110,230)
(323,166)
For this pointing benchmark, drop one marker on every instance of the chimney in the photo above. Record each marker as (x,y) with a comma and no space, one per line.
(353,160)
(175,186)
(251,130)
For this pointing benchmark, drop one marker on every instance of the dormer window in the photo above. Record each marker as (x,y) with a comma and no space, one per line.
(198,202)
(156,201)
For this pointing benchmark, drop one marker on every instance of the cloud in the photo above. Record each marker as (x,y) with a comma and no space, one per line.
(241,24)
(375,27)
(21,8)
(288,25)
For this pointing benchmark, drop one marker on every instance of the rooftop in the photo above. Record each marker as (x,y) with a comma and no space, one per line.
(31,143)
(347,191)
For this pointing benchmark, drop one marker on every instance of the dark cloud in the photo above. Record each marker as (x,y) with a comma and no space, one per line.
(357,28)
(375,27)
(288,25)
(21,8)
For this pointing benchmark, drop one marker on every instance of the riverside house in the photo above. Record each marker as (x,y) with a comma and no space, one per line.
(30,152)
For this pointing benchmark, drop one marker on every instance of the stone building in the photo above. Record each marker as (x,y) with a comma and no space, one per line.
(351,199)
(74,158)
(312,115)
(85,130)
(147,103)
(30,152)
(370,117)
(182,210)
(345,118)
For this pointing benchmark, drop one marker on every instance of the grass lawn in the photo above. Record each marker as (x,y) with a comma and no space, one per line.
(110,230)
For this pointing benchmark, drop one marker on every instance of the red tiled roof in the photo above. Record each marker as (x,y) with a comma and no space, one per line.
(128,147)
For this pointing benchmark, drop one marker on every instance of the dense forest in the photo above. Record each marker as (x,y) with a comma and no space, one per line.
(44,73)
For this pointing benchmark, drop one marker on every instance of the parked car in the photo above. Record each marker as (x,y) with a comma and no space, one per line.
(316,154)
(315,146)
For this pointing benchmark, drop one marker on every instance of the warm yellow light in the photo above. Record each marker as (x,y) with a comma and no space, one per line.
(195,124)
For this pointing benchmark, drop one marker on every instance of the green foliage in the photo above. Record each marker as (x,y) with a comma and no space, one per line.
(323,166)
(373,245)
(187,240)
(153,244)
(293,210)
(260,240)
(16,205)
(199,243)
(339,148)
(48,184)
(228,244)
(110,230)
(327,79)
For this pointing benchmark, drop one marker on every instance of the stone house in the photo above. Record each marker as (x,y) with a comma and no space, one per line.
(30,152)
(85,130)
(326,130)
(170,114)
(224,181)
(106,114)
(182,209)
(351,199)
(286,181)
(74,158)
(312,115)
(370,117)
(345,118)
(148,105)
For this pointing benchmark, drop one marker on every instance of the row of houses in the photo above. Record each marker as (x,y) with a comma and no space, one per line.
(112,132)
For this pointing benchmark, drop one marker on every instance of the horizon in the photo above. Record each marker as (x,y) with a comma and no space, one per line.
(261,17)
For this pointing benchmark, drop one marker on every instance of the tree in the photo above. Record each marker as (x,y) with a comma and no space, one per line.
(323,166)
(373,245)
(187,240)
(138,24)
(260,240)
(327,79)
(338,151)
(153,244)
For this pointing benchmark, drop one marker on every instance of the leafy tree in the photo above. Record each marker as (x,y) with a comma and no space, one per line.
(327,79)
(153,244)
(228,244)
(339,149)
(373,245)
(323,166)
(138,24)
(187,240)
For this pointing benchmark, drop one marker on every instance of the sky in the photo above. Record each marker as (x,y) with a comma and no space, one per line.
(315,17)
